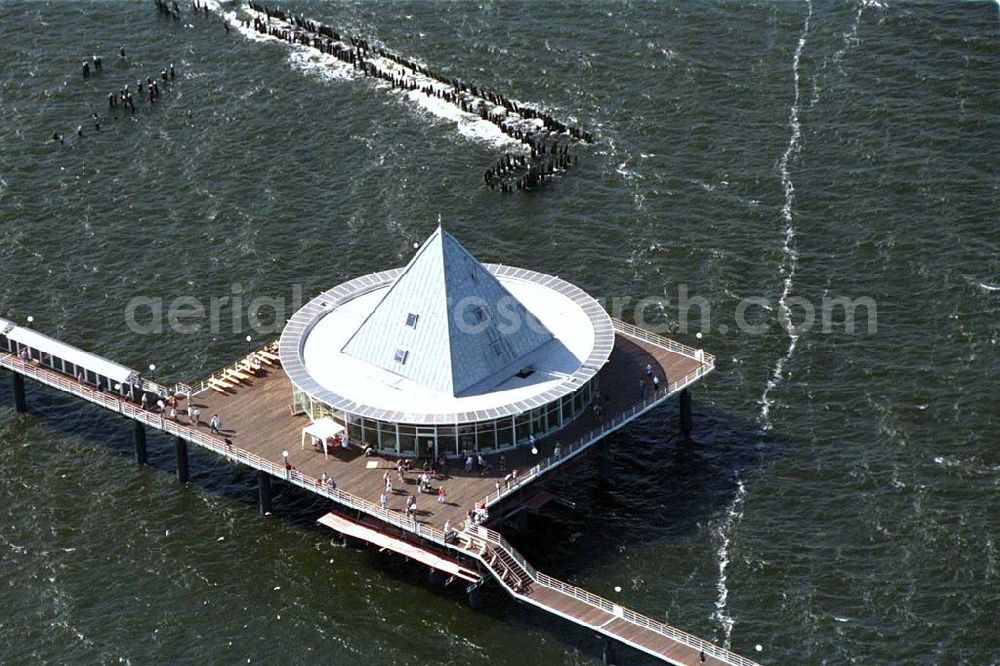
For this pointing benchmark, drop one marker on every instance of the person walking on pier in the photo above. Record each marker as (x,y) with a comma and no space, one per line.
(383,501)
(214,424)
(448,536)
(442,495)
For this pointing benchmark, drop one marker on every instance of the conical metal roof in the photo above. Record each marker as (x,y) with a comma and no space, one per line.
(447,323)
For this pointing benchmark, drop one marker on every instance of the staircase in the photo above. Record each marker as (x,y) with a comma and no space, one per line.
(507,570)
(589,610)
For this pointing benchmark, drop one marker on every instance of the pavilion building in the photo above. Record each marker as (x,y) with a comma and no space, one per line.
(447,355)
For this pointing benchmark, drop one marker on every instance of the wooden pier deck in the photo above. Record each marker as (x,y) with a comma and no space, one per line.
(256,416)
(258,425)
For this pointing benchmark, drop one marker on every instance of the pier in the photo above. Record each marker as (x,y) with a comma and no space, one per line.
(260,427)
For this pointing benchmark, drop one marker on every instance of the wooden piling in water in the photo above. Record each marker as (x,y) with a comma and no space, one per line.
(264,492)
(20,403)
(139,436)
(180,448)
(608,651)
(685,404)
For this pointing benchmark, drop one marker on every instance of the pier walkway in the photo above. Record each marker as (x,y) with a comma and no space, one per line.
(243,442)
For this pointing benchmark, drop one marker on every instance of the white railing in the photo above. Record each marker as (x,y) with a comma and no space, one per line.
(591,599)
(665,343)
(399,520)
(203,385)
(594,436)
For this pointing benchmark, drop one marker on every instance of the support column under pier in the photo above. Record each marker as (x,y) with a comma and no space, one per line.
(685,405)
(181,449)
(139,435)
(602,460)
(264,492)
(608,651)
(474,592)
(20,404)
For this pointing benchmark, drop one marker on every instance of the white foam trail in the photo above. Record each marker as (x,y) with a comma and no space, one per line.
(989,287)
(328,67)
(851,36)
(468,124)
(733,516)
(791,259)
(323,65)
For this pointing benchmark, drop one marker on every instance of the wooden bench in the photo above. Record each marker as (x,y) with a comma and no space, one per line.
(268,357)
(236,375)
(216,382)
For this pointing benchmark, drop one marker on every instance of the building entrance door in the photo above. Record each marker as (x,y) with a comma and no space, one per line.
(426,443)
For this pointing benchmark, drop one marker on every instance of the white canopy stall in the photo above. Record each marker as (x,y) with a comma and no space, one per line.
(323,429)
(64,358)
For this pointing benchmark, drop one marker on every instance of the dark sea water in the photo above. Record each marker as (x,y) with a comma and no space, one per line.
(841,502)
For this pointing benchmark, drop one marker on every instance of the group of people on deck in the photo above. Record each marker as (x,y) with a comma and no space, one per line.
(331,444)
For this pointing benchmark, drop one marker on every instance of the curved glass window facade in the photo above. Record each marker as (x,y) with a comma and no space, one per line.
(409,440)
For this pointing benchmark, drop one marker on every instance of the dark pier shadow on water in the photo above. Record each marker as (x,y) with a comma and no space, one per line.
(75,418)
(658,488)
